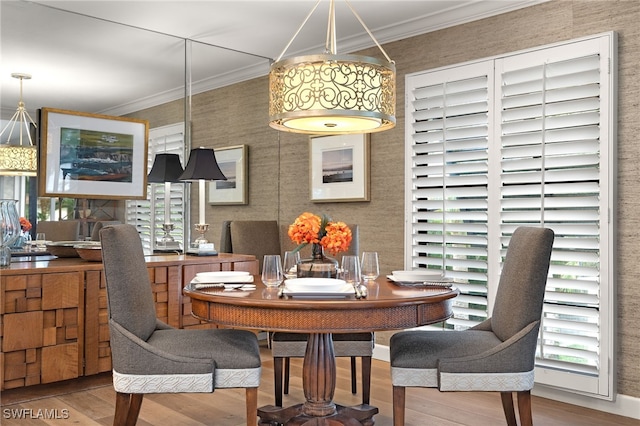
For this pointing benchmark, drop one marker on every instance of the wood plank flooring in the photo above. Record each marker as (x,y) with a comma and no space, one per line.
(90,401)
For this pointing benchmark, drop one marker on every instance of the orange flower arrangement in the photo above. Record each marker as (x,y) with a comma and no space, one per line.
(25,224)
(310,228)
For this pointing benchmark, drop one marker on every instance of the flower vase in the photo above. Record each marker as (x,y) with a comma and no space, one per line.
(318,265)
(10,229)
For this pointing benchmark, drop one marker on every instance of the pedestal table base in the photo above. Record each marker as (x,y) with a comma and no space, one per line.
(359,415)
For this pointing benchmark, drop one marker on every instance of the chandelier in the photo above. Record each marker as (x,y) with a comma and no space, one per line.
(328,93)
(18,160)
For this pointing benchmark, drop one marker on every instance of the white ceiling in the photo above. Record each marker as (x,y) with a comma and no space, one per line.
(115,57)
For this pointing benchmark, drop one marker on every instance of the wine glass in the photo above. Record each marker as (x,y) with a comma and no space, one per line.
(370,266)
(272,270)
(290,264)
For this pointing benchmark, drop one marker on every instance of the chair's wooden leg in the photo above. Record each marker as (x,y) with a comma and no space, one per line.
(507,407)
(277,380)
(524,408)
(127,409)
(287,366)
(398,405)
(252,406)
(122,409)
(366,379)
(134,408)
(354,379)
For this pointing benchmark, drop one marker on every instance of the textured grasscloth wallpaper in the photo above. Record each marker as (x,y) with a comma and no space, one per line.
(279,163)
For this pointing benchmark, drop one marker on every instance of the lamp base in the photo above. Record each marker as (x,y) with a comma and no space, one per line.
(202,228)
(167,243)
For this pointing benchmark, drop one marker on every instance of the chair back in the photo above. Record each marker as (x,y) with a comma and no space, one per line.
(225,238)
(59,230)
(256,237)
(95,232)
(129,298)
(523,280)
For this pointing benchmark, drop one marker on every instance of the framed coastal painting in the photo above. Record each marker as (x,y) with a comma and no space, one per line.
(85,155)
(339,168)
(233,162)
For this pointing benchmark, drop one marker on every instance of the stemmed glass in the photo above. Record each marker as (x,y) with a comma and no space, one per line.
(370,265)
(272,270)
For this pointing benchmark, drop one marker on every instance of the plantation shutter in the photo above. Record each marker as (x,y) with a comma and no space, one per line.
(148,215)
(555,172)
(543,156)
(449,182)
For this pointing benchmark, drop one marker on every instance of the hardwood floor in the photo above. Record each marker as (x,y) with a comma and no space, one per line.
(91,402)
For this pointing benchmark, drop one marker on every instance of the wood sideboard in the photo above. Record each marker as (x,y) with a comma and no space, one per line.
(53,312)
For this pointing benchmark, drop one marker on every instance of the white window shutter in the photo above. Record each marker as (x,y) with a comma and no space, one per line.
(148,215)
(546,157)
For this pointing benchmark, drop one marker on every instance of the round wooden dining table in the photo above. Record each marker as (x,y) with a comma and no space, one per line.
(387,306)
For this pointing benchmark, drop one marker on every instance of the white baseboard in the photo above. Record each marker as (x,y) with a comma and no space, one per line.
(623,405)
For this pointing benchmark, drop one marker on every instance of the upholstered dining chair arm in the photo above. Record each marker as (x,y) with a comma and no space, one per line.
(162,326)
(483,326)
(132,355)
(513,355)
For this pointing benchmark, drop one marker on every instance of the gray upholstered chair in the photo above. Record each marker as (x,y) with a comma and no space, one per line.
(260,237)
(59,230)
(149,356)
(256,237)
(497,354)
(95,231)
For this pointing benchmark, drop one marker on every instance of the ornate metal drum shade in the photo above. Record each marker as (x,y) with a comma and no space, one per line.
(19,160)
(328,94)
(332,94)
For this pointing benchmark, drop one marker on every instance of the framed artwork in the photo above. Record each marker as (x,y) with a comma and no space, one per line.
(86,155)
(339,167)
(233,162)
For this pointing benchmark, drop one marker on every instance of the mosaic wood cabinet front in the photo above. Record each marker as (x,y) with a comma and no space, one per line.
(53,324)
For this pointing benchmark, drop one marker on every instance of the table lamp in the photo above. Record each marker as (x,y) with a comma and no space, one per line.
(202,166)
(166,169)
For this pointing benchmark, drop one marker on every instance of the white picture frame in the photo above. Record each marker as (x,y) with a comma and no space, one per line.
(339,168)
(233,162)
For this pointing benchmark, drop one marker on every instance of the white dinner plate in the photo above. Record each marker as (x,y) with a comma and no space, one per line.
(417,275)
(441,282)
(314,284)
(223,277)
(345,290)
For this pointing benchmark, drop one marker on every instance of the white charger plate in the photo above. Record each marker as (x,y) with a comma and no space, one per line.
(345,290)
(417,276)
(223,277)
(314,285)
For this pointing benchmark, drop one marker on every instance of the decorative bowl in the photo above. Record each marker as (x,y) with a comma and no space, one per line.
(63,248)
(90,252)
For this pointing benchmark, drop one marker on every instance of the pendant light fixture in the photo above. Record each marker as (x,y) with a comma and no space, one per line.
(18,160)
(328,93)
